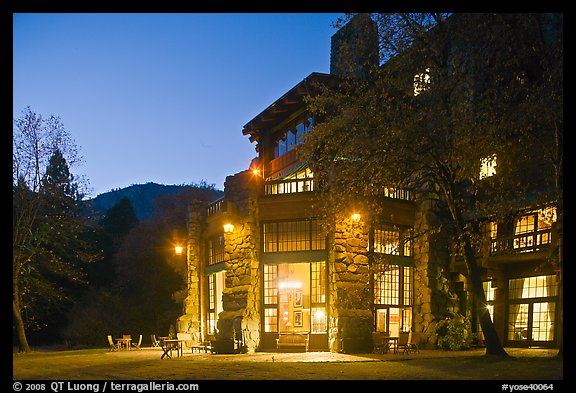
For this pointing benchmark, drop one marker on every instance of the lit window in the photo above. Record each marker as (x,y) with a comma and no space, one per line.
(391,240)
(546,217)
(534,228)
(488,166)
(493,229)
(421,82)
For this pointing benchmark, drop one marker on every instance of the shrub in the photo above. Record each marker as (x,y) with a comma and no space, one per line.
(453,333)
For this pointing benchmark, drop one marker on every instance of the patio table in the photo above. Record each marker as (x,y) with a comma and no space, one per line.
(394,341)
(169,345)
(124,342)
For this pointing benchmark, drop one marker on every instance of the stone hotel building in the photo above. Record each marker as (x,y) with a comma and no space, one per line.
(261,264)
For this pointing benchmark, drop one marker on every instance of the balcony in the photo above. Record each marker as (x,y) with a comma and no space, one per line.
(522,243)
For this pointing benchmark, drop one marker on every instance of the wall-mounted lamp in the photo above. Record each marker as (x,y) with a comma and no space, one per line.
(228,228)
(356,217)
(178,250)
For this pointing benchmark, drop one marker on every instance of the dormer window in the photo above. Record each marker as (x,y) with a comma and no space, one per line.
(487,166)
(421,82)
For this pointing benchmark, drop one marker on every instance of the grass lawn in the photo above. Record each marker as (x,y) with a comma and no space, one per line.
(99,364)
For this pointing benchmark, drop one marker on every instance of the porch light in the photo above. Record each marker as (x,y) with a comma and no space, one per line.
(228,228)
(356,217)
(178,250)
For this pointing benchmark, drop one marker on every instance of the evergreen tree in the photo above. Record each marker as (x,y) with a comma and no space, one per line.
(112,230)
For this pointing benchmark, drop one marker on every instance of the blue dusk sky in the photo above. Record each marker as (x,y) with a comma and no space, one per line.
(162,97)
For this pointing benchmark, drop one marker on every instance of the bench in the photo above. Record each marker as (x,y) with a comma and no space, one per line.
(292,342)
(191,344)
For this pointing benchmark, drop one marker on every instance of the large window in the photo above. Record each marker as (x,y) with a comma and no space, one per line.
(270,298)
(532,231)
(305,235)
(216,284)
(392,240)
(293,136)
(534,228)
(300,181)
(295,297)
(393,298)
(488,166)
(215,248)
(532,309)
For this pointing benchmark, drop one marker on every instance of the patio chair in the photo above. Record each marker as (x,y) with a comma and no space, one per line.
(209,343)
(381,342)
(113,346)
(155,342)
(405,343)
(138,344)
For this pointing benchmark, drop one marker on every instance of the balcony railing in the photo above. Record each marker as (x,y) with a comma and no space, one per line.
(522,243)
(397,193)
(215,207)
(290,186)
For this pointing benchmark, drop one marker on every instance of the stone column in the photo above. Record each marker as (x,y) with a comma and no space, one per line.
(191,321)
(433,297)
(241,295)
(350,301)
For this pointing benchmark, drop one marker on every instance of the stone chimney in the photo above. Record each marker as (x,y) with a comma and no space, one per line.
(354,48)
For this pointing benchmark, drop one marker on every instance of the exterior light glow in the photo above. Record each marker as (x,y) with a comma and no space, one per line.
(256,172)
(178,250)
(228,228)
(356,217)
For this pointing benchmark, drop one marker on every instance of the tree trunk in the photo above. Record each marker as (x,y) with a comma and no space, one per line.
(493,344)
(560,318)
(19,322)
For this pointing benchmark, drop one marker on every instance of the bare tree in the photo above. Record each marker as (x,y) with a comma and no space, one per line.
(44,192)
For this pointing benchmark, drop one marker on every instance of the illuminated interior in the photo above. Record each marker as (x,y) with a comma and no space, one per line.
(488,166)
(216,284)
(421,82)
(532,308)
(295,298)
